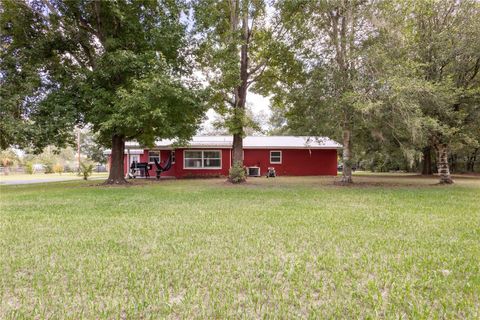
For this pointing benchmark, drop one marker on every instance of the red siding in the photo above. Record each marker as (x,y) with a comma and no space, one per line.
(295,162)
(126,165)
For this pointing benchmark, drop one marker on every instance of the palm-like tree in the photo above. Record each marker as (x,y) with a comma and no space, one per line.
(7,159)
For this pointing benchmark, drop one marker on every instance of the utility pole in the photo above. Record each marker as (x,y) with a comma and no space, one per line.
(78,149)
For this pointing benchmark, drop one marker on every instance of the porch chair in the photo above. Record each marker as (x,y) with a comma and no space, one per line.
(271,172)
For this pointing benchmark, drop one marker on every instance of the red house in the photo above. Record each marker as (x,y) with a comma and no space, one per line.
(212,156)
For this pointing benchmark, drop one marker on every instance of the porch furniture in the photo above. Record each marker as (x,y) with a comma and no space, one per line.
(271,172)
(167,165)
(140,169)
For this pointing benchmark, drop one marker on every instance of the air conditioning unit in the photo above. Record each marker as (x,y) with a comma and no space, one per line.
(253,171)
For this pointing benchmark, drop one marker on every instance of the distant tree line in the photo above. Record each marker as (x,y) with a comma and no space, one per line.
(397,82)
(54,159)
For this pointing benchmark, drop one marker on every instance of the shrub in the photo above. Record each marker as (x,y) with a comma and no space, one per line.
(237,173)
(48,168)
(58,168)
(86,170)
(29,168)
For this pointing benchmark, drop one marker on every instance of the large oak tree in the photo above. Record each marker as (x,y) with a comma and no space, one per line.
(238,42)
(117,66)
(441,51)
(330,38)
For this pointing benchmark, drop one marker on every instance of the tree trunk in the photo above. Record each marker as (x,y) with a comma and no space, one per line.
(471,160)
(116,174)
(346,158)
(237,156)
(443,167)
(453,163)
(241,93)
(427,161)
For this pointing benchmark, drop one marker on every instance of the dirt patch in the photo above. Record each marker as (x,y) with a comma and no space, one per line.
(363,180)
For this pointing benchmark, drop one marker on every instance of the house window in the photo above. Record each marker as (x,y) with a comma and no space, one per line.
(202,159)
(173,156)
(276,157)
(152,155)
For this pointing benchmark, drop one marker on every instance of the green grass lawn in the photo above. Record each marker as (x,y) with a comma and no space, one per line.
(390,247)
(43,176)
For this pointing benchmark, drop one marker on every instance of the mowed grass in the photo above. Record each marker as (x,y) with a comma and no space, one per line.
(52,176)
(389,247)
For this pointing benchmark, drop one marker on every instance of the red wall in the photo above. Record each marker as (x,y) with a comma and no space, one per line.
(295,162)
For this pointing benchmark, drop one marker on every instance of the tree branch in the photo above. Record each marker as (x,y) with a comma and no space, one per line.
(475,70)
(258,67)
(257,76)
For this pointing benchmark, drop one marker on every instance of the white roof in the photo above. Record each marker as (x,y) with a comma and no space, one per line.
(127,150)
(251,142)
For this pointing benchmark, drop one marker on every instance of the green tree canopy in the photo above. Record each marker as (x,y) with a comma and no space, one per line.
(440,52)
(118,66)
(330,38)
(238,42)
(388,75)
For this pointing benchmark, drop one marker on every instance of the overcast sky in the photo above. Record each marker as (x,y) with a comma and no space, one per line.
(259,104)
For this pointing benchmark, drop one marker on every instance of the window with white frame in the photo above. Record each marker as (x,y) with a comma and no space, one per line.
(152,155)
(202,159)
(275,157)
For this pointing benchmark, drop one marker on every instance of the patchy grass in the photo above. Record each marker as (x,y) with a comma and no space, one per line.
(393,246)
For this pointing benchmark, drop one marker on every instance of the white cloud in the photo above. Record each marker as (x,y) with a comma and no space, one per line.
(259,105)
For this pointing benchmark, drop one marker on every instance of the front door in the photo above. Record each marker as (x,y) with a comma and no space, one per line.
(134,157)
